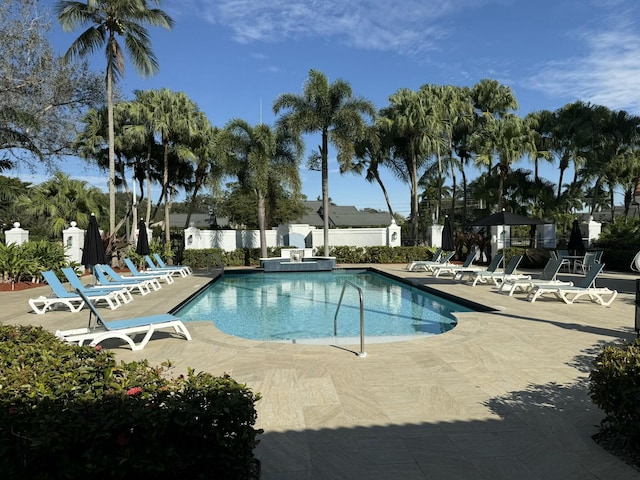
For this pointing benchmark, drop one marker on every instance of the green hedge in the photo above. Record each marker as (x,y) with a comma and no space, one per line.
(72,412)
(616,260)
(615,388)
(251,257)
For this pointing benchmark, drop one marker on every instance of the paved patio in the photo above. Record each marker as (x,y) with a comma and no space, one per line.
(501,396)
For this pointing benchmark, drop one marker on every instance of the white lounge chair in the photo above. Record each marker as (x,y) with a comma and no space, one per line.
(74,302)
(498,277)
(411,266)
(463,273)
(428,266)
(570,293)
(452,269)
(100,330)
(547,277)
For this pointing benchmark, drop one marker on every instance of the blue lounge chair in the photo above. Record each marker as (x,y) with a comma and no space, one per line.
(100,330)
(143,286)
(138,274)
(73,301)
(161,264)
(113,276)
(123,294)
(586,287)
(152,267)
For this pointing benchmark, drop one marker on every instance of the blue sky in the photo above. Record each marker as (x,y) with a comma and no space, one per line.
(234,57)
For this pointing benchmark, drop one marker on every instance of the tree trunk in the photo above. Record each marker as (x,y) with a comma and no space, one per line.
(325,189)
(112,152)
(261,225)
(165,190)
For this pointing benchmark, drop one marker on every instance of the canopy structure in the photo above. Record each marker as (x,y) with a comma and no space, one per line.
(505,218)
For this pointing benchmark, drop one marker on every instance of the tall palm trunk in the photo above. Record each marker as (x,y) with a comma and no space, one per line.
(112,153)
(414,196)
(165,188)
(376,175)
(325,189)
(261,224)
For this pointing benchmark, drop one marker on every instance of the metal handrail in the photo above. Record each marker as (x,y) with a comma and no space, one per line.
(218,262)
(335,318)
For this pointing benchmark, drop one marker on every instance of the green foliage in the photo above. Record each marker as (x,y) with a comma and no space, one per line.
(26,261)
(346,254)
(622,234)
(73,412)
(205,258)
(615,388)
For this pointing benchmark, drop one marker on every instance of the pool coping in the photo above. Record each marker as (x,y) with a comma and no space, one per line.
(502,395)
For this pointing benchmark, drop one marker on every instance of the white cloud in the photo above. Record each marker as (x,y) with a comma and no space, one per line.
(404,26)
(607,74)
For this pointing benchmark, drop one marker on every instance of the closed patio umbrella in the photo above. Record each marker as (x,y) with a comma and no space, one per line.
(447,235)
(142,247)
(93,249)
(575,239)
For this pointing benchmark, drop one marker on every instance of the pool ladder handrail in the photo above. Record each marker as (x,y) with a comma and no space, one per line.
(217,261)
(362,353)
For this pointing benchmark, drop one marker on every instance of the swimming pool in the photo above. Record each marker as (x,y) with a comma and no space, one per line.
(300,307)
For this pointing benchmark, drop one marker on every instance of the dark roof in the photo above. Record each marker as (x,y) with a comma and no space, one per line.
(348,216)
(199,220)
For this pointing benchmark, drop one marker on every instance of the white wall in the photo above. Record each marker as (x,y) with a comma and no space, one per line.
(230,240)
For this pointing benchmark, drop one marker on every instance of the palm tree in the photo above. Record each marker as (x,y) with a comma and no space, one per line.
(209,166)
(331,110)
(107,19)
(408,123)
(371,153)
(259,154)
(61,200)
(492,101)
(174,118)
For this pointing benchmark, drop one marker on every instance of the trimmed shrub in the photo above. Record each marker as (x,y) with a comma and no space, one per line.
(70,412)
(615,388)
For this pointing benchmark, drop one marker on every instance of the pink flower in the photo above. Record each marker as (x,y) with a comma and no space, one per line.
(13,410)
(134,391)
(98,348)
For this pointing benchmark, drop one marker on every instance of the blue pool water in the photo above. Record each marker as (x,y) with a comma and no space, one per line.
(300,307)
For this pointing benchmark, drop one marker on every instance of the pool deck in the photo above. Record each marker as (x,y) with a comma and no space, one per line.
(503,395)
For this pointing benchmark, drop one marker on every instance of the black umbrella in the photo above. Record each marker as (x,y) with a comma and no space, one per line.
(447,235)
(93,248)
(575,239)
(142,247)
